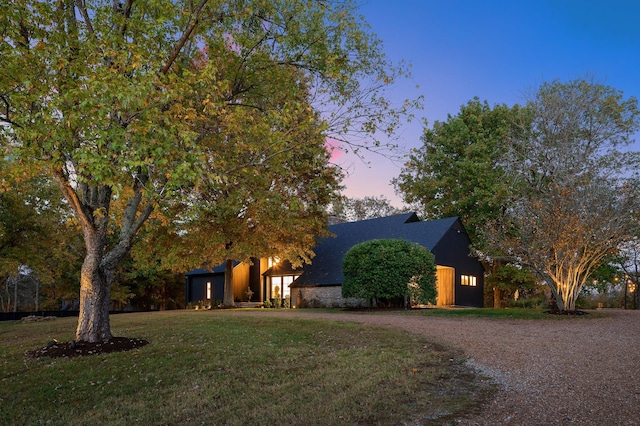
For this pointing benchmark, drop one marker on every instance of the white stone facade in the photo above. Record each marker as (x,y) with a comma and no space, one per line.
(323,297)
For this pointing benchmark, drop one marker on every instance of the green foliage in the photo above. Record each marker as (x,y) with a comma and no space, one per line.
(385,270)
(208,118)
(37,232)
(457,170)
(511,277)
(529,303)
(354,209)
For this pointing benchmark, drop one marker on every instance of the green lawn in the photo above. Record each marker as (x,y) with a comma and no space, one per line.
(228,369)
(513,313)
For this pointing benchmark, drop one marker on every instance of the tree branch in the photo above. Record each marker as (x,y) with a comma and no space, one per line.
(82,7)
(185,36)
(6,119)
(84,215)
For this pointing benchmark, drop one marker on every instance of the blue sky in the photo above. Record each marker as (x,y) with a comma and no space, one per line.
(495,50)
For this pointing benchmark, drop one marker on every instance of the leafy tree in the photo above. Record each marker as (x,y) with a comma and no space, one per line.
(113,98)
(457,170)
(576,200)
(369,207)
(510,278)
(627,265)
(265,210)
(39,244)
(386,270)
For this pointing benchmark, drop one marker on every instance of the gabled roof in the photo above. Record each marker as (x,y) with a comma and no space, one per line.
(208,271)
(281,268)
(326,266)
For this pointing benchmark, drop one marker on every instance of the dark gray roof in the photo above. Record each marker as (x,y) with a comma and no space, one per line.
(326,266)
(208,271)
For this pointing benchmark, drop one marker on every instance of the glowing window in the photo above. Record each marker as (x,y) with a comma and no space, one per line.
(469,280)
(280,286)
(208,289)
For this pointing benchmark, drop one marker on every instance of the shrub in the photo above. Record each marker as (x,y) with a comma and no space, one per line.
(534,302)
(388,270)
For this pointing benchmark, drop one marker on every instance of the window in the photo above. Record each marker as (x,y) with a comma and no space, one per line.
(469,280)
(280,286)
(208,290)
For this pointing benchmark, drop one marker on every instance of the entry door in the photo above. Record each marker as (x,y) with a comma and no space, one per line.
(445,284)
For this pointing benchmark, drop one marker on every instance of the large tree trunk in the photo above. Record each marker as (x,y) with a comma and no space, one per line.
(93,321)
(95,281)
(228,301)
(91,205)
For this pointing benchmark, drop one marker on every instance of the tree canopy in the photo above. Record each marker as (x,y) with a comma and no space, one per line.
(577,194)
(127,103)
(550,186)
(457,171)
(40,243)
(369,207)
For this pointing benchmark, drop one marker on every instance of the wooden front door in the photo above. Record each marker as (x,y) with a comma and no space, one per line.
(445,278)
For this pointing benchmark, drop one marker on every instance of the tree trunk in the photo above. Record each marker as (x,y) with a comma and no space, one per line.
(91,206)
(228,301)
(93,321)
(95,286)
(497,298)
(15,296)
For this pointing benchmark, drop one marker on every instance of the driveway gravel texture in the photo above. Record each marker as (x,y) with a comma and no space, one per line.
(558,371)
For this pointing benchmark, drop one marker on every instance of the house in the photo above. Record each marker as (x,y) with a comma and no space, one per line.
(266,278)
(460,277)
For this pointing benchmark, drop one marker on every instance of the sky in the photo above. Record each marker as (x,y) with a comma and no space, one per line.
(496,50)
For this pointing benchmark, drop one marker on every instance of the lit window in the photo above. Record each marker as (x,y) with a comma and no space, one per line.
(469,280)
(208,290)
(280,286)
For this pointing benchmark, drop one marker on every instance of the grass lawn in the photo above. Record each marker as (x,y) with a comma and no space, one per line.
(207,367)
(513,313)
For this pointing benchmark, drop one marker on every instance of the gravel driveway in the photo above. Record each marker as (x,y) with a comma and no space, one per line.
(568,371)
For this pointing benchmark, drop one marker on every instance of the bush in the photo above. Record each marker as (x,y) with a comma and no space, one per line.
(529,303)
(389,270)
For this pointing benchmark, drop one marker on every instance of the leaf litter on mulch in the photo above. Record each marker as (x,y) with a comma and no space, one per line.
(71,349)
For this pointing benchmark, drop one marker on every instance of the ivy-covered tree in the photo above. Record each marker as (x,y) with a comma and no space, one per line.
(386,271)
(111,98)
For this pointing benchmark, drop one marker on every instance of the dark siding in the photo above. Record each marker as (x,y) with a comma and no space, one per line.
(197,287)
(453,250)
(255,279)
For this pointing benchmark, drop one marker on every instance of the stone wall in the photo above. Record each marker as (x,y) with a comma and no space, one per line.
(323,297)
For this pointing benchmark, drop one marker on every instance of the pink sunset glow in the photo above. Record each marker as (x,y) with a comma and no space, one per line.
(333,146)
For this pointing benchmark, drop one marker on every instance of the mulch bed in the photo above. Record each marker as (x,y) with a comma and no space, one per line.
(71,349)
